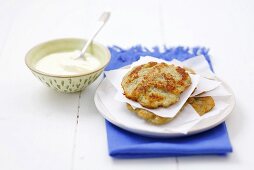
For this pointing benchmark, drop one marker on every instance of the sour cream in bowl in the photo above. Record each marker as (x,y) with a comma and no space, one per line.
(65,63)
(56,65)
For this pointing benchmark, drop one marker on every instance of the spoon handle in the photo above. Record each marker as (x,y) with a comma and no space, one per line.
(101,22)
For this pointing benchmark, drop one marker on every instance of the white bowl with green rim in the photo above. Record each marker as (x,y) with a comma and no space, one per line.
(67,83)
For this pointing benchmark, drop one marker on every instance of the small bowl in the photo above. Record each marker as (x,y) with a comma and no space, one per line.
(66,83)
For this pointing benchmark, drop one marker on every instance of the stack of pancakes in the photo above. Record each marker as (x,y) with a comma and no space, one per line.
(155,85)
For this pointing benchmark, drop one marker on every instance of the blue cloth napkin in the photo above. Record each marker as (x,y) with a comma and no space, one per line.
(124,144)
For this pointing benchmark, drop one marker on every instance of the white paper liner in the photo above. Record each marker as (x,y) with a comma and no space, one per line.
(219,91)
(200,66)
(116,77)
(205,85)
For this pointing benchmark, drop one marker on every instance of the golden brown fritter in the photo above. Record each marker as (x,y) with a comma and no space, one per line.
(149,116)
(202,105)
(155,84)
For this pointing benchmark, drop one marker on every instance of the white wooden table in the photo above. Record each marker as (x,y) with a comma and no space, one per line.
(43,130)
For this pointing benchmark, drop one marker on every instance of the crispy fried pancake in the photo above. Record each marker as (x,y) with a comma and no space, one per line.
(202,105)
(149,116)
(155,84)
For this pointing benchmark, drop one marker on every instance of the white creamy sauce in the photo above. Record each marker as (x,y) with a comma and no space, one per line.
(64,63)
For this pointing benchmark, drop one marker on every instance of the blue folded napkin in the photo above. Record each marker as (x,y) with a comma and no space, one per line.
(124,144)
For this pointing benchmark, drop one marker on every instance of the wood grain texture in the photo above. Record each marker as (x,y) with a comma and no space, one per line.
(43,129)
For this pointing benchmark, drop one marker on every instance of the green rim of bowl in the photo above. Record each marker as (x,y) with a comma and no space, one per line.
(32,68)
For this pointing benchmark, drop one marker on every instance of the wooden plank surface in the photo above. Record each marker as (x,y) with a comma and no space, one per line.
(42,129)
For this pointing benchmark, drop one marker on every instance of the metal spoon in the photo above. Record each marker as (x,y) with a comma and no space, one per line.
(101,22)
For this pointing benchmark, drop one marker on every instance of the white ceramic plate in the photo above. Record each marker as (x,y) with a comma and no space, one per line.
(141,127)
